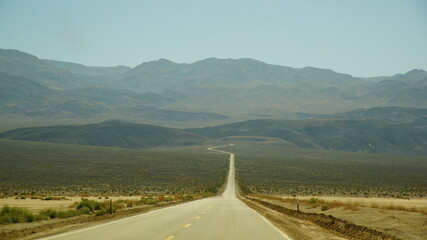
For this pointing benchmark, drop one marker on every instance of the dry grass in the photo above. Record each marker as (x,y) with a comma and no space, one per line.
(37,204)
(398,208)
(414,205)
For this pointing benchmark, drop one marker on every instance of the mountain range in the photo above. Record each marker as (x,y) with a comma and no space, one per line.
(210,91)
(215,99)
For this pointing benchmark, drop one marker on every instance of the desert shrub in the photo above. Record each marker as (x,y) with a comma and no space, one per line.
(188,197)
(101,212)
(67,213)
(90,204)
(244,189)
(15,215)
(211,189)
(313,200)
(151,201)
(84,210)
(324,208)
(49,213)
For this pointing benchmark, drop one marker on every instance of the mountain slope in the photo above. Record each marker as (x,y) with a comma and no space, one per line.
(347,135)
(22,96)
(26,65)
(409,89)
(118,98)
(160,115)
(76,68)
(15,89)
(19,95)
(111,134)
(390,114)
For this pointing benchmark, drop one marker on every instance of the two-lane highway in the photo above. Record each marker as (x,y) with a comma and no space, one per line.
(217,218)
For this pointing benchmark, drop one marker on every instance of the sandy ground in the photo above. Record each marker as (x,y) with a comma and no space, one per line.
(402,224)
(36,205)
(381,202)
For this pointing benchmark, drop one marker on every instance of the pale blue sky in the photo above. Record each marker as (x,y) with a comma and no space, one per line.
(361,37)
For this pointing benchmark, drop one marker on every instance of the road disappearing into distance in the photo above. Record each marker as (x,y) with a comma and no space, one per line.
(217,218)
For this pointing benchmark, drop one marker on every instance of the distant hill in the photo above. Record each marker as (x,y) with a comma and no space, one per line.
(117,98)
(160,115)
(110,134)
(332,134)
(346,135)
(389,114)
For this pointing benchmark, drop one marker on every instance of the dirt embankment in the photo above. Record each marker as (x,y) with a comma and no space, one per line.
(338,226)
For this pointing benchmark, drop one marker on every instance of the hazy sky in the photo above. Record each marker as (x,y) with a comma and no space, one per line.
(360,37)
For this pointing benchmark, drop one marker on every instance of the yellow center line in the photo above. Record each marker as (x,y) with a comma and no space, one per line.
(170,238)
(187,225)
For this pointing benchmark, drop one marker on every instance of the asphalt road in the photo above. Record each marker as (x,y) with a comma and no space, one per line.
(220,218)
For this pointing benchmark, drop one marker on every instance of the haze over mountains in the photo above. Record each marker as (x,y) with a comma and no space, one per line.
(217,91)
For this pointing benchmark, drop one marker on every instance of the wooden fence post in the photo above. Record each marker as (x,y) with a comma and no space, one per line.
(111,206)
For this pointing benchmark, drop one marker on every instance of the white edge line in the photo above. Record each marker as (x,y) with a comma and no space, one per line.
(265,219)
(112,222)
